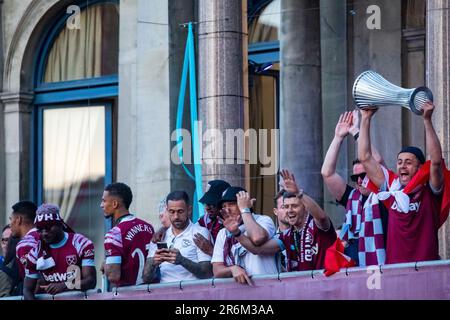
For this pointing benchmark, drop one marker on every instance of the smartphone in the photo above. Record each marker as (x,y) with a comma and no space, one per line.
(161,245)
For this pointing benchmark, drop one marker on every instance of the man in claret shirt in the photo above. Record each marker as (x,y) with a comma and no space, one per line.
(414,210)
(310,234)
(64,260)
(127,243)
(22,227)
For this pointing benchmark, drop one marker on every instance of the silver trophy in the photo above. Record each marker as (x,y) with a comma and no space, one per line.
(371,90)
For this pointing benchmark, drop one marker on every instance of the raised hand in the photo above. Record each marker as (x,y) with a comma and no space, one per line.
(344,124)
(231,223)
(244,200)
(428,109)
(288,183)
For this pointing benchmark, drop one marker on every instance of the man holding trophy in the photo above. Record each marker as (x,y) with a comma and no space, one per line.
(413,195)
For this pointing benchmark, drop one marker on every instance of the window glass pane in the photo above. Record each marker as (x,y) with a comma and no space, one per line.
(266,25)
(263,116)
(74,168)
(88,51)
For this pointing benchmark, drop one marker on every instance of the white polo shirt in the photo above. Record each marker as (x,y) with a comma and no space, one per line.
(185,243)
(252,263)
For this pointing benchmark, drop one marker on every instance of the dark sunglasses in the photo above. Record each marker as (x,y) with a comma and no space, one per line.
(354,177)
(5,240)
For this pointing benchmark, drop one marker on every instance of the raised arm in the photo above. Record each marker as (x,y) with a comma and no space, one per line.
(320,217)
(256,233)
(371,165)
(334,182)
(433,148)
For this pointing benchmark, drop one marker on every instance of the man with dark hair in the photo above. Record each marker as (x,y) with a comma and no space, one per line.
(357,228)
(178,257)
(64,260)
(230,259)
(126,244)
(280,212)
(310,234)
(413,195)
(22,227)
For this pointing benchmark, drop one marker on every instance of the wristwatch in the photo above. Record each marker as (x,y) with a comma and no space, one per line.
(246,210)
(237,233)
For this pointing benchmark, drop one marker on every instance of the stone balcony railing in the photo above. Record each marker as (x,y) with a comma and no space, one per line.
(409,281)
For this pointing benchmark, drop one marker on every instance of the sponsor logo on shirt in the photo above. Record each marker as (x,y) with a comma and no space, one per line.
(413,207)
(59,277)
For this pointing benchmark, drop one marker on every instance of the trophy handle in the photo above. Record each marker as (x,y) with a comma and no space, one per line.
(413,103)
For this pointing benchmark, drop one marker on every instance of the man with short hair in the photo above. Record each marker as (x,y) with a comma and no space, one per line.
(365,235)
(310,234)
(126,244)
(64,260)
(413,195)
(22,227)
(230,258)
(181,259)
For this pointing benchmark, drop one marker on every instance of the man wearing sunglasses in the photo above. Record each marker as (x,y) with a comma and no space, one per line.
(354,198)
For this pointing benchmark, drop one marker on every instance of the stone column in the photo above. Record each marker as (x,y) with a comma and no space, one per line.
(17,125)
(3,219)
(437,78)
(143,137)
(333,35)
(300,94)
(222,85)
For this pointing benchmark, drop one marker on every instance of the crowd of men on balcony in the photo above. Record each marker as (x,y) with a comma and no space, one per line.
(390,218)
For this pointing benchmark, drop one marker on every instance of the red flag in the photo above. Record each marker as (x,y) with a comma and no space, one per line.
(335,259)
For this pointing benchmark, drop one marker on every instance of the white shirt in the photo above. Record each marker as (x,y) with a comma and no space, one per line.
(253,264)
(185,243)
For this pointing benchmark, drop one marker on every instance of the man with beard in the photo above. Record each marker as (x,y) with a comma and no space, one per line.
(210,219)
(413,195)
(310,234)
(64,260)
(178,257)
(127,243)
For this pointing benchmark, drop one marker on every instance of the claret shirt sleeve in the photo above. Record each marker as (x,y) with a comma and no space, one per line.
(113,246)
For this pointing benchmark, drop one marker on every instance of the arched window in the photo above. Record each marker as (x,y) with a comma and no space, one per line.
(76,87)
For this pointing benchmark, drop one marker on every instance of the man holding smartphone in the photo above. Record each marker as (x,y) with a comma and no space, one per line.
(177,256)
